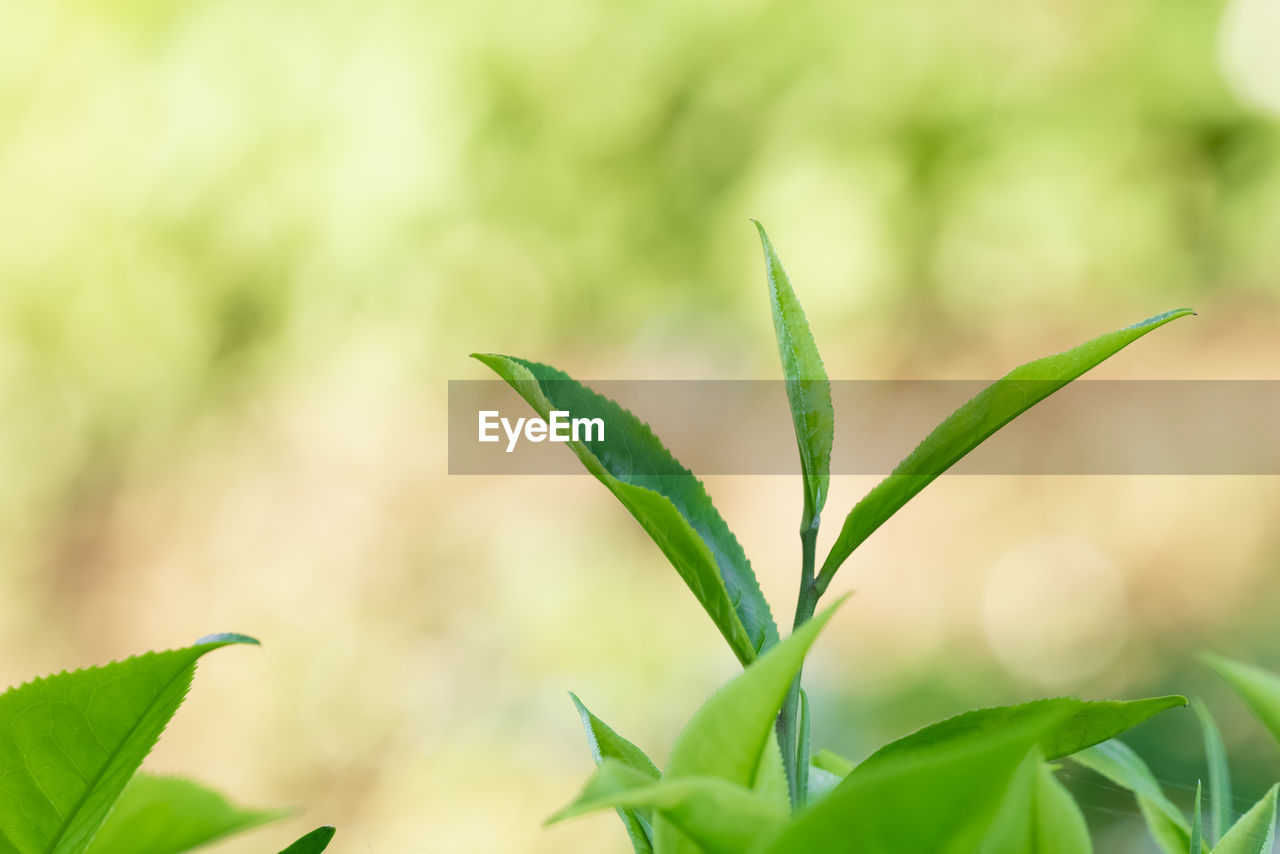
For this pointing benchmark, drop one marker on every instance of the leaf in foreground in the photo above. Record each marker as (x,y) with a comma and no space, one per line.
(1258,688)
(1038,815)
(1219,773)
(69,743)
(808,390)
(716,816)
(1197,824)
(169,815)
(1079,724)
(728,734)
(941,801)
(1255,832)
(313,843)
(1116,761)
(607,744)
(665,498)
(970,425)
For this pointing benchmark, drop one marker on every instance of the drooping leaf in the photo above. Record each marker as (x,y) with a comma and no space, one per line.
(1258,688)
(1197,824)
(1080,724)
(1255,831)
(313,843)
(808,390)
(607,744)
(970,425)
(941,801)
(665,498)
(69,743)
(169,815)
(727,735)
(1038,815)
(1119,764)
(716,816)
(1220,811)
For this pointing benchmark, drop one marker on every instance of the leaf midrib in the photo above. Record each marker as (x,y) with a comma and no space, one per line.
(111,758)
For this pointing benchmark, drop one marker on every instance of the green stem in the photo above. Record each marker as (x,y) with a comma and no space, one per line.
(795,750)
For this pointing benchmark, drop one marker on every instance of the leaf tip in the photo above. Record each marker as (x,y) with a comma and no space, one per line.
(227,639)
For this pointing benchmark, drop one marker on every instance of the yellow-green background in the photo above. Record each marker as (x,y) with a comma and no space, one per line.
(244,245)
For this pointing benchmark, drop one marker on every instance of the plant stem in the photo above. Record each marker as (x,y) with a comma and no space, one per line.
(795,750)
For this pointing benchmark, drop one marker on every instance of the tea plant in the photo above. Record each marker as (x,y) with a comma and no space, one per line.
(71,745)
(741,778)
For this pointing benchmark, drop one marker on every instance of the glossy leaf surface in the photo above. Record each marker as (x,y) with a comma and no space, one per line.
(664,497)
(70,743)
(808,390)
(970,425)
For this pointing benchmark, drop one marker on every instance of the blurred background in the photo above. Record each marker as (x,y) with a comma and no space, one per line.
(243,246)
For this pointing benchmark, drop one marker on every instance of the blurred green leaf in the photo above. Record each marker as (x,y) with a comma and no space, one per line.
(313,843)
(832,763)
(169,815)
(808,389)
(1038,815)
(771,776)
(1197,824)
(728,733)
(1255,831)
(1258,688)
(70,743)
(607,744)
(1119,764)
(716,816)
(1079,724)
(941,801)
(970,425)
(664,497)
(1215,752)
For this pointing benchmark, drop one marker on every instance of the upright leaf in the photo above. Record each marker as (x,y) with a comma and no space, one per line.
(808,389)
(69,743)
(1197,824)
(716,816)
(1255,832)
(168,815)
(1078,724)
(940,801)
(1258,688)
(313,843)
(607,744)
(970,425)
(1219,773)
(726,737)
(664,497)
(1119,764)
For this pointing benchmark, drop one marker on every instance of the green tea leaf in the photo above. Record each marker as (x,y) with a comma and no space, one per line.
(313,843)
(607,744)
(1197,832)
(1080,724)
(832,763)
(716,816)
(168,815)
(808,389)
(1119,764)
(1038,815)
(1255,832)
(771,776)
(727,735)
(941,801)
(970,425)
(69,743)
(1215,752)
(1258,688)
(664,497)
